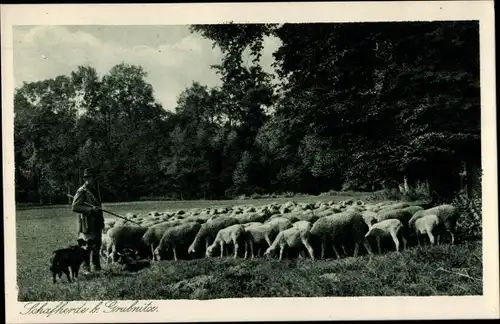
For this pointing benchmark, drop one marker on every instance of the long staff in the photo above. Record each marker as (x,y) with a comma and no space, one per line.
(107,211)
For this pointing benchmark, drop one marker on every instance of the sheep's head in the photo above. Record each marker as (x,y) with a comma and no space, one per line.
(127,255)
(268,252)
(191,249)
(209,251)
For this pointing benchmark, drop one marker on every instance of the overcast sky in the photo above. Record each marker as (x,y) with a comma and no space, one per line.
(171,55)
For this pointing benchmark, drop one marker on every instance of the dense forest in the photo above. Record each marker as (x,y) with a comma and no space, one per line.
(354,106)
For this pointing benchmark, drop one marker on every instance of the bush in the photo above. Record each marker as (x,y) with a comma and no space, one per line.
(419,192)
(470,222)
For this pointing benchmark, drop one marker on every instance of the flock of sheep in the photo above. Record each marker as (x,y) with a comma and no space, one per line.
(308,228)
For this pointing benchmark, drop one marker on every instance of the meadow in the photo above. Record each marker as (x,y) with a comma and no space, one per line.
(417,271)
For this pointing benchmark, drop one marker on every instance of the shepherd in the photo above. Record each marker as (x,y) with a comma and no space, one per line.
(90,219)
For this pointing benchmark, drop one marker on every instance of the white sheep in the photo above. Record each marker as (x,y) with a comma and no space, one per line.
(174,236)
(427,224)
(153,235)
(347,202)
(251,224)
(359,202)
(209,230)
(385,228)
(355,208)
(394,206)
(327,212)
(370,217)
(250,217)
(302,225)
(258,234)
(447,214)
(105,246)
(308,215)
(292,237)
(402,214)
(287,207)
(227,235)
(342,227)
(279,223)
(125,236)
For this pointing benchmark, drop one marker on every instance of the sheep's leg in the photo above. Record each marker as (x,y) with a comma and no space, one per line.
(452,237)
(396,241)
(405,242)
(221,249)
(438,237)
(246,251)
(175,253)
(268,240)
(251,249)
(235,243)
(367,246)
(152,253)
(378,245)
(356,249)
(113,253)
(308,247)
(206,244)
(335,250)
(418,238)
(431,238)
(282,247)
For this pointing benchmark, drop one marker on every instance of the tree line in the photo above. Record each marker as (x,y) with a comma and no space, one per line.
(353,106)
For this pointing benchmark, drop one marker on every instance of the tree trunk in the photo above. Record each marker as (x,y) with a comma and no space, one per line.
(468,176)
(69,192)
(406,187)
(38,187)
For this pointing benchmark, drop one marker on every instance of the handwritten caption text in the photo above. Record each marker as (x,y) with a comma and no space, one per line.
(86,307)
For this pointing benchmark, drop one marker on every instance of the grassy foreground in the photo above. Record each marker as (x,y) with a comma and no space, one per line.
(414,272)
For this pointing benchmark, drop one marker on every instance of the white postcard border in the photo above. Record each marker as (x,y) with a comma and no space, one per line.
(257,309)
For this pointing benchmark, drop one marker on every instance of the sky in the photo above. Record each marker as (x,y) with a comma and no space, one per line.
(171,55)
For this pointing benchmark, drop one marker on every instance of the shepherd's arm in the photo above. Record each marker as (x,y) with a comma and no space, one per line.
(78,205)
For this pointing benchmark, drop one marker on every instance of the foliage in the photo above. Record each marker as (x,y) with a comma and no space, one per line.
(419,192)
(471,211)
(356,106)
(470,223)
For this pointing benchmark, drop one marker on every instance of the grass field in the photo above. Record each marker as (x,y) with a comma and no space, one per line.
(438,270)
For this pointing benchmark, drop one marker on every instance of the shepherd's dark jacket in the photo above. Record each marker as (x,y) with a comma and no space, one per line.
(89,222)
